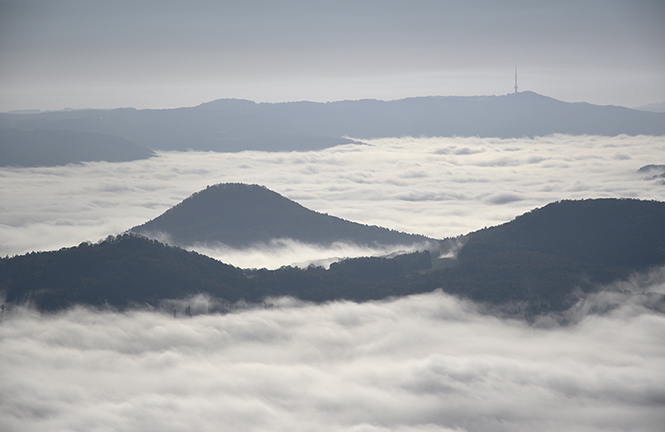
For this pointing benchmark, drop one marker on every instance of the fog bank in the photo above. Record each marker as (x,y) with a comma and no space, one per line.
(438,187)
(281,252)
(421,363)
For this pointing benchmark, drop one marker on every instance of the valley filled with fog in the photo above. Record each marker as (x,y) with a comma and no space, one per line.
(438,187)
(421,363)
(428,362)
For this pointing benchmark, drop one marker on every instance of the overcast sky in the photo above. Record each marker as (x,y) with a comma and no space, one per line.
(154,54)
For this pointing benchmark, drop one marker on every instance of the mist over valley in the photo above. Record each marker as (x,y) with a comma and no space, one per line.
(429,216)
(547,328)
(419,363)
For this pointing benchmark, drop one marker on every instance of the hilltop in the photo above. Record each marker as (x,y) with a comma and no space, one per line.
(241,215)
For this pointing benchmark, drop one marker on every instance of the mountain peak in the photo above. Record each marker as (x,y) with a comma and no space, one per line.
(241,215)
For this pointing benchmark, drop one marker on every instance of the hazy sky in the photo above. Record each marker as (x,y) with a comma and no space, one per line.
(151,54)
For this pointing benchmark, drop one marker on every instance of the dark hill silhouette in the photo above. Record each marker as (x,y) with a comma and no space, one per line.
(542,261)
(610,232)
(51,148)
(234,125)
(240,215)
(133,271)
(543,256)
(119,272)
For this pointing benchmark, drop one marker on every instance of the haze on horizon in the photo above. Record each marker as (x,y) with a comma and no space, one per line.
(159,54)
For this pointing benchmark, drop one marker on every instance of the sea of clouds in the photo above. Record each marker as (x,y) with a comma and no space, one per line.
(427,362)
(439,187)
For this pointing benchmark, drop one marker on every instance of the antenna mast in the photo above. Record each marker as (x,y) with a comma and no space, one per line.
(515,78)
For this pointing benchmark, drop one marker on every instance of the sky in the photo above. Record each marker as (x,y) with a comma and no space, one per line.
(57,54)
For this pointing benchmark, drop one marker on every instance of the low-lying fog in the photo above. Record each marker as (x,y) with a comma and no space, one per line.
(423,363)
(438,187)
(281,252)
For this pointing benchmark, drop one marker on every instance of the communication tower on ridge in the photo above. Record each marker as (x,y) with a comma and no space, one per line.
(515,78)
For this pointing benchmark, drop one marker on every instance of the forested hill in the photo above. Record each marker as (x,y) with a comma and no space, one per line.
(120,272)
(240,215)
(235,125)
(623,233)
(540,262)
(133,271)
(545,256)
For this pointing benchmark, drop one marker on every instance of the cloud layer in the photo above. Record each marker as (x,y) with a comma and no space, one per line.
(281,252)
(421,363)
(439,187)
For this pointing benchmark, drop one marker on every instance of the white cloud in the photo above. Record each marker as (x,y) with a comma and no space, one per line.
(434,186)
(280,252)
(421,363)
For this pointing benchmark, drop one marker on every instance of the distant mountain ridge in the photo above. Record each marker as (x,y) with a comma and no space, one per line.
(235,125)
(658,107)
(241,215)
(543,261)
(51,148)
